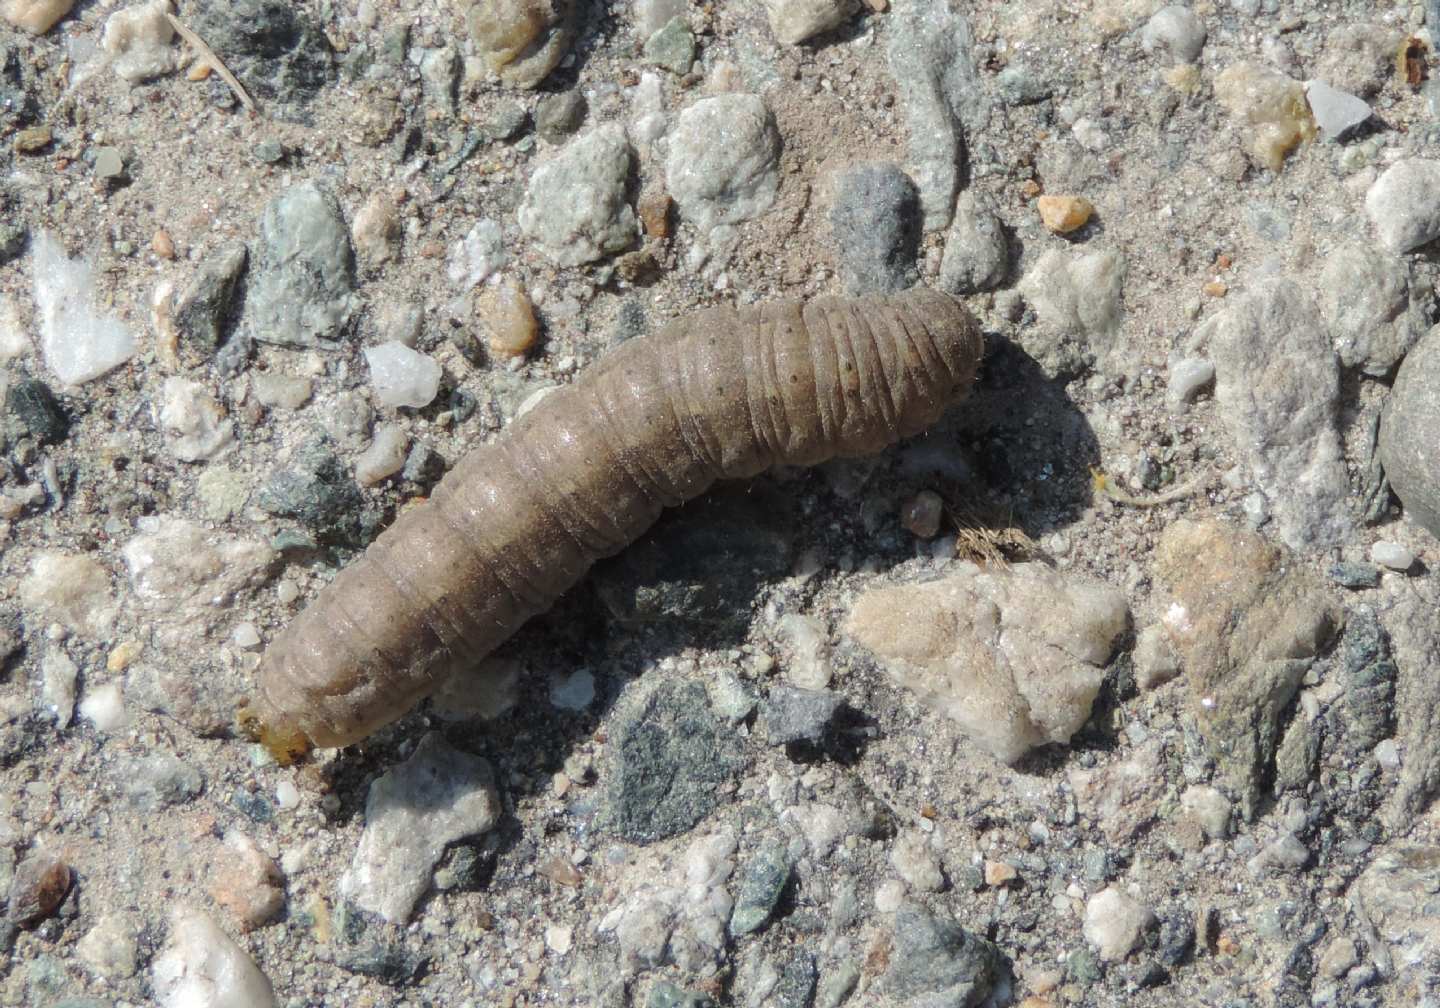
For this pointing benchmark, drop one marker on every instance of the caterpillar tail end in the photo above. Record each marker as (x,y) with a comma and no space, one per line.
(281,737)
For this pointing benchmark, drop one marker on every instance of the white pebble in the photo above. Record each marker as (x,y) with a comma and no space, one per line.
(58,674)
(287,795)
(245,635)
(1387,754)
(1392,555)
(13,341)
(201,967)
(194,422)
(137,40)
(807,663)
(558,938)
(1175,32)
(1115,924)
(1188,377)
(1404,204)
(104,707)
(384,457)
(889,895)
(401,376)
(78,344)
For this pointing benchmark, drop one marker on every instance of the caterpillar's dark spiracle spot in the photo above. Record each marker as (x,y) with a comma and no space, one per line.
(652,424)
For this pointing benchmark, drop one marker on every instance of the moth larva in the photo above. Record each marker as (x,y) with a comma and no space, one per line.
(721,394)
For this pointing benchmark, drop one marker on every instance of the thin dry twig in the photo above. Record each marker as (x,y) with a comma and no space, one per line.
(207,54)
(1107,486)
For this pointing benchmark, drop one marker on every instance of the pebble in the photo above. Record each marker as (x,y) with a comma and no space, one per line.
(723,162)
(917,862)
(921,515)
(376,230)
(1115,924)
(930,56)
(573,692)
(1209,808)
(36,16)
(180,568)
(317,490)
(246,882)
(302,279)
(795,21)
(280,391)
(575,205)
(109,164)
(14,339)
(402,376)
(652,15)
(875,225)
(523,42)
(1375,314)
(559,115)
(32,140)
(1015,656)
(437,796)
(1122,797)
(1019,84)
(762,881)
(507,316)
(670,756)
(480,253)
(78,343)
(1392,555)
(71,589)
(1076,295)
(1064,214)
(104,707)
(1174,32)
(977,253)
(1232,600)
(201,967)
(37,411)
(154,782)
(672,46)
(1404,204)
(111,949)
(1409,428)
(934,961)
(1285,854)
(1336,112)
(1278,389)
(806,664)
(1272,104)
(385,456)
(1395,898)
(194,422)
(1355,575)
(39,884)
(276,47)
(138,41)
(203,310)
(1189,376)
(799,715)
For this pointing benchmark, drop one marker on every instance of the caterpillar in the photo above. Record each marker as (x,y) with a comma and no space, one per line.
(721,394)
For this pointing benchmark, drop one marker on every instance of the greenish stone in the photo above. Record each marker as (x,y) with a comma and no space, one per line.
(672,47)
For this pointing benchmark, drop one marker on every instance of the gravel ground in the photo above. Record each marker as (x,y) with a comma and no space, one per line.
(1118,687)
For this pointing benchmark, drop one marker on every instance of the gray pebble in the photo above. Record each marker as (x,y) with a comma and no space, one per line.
(762,881)
(977,254)
(936,962)
(794,21)
(1174,32)
(276,48)
(876,224)
(575,204)
(1189,376)
(1020,85)
(302,283)
(1370,675)
(202,312)
(1404,204)
(672,47)
(1392,555)
(1355,574)
(1375,313)
(724,155)
(109,164)
(317,490)
(36,411)
(156,781)
(1409,431)
(1336,112)
(557,116)
(799,715)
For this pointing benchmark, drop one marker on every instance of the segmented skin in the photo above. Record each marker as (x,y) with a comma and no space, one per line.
(721,394)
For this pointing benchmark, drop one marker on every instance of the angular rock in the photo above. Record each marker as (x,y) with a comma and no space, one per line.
(37,888)
(763,878)
(180,568)
(436,797)
(1404,204)
(36,411)
(1123,797)
(137,40)
(672,46)
(1077,297)
(575,205)
(316,489)
(203,311)
(875,221)
(724,156)
(70,589)
(276,48)
(799,715)
(111,948)
(1271,104)
(480,253)
(1247,621)
(937,964)
(1375,314)
(794,21)
(302,284)
(201,966)
(78,343)
(1016,657)
(931,57)
(671,755)
(977,253)
(1115,924)
(1278,388)
(1409,430)
(523,40)
(194,422)
(1336,112)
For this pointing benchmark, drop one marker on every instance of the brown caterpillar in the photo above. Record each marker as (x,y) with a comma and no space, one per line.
(719,395)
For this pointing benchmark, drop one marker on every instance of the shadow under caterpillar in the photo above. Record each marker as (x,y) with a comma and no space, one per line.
(720,394)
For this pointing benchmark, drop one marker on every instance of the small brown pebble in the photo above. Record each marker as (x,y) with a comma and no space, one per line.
(246,882)
(638,267)
(162,245)
(122,655)
(198,71)
(508,318)
(559,869)
(1226,945)
(655,214)
(33,140)
(1223,261)
(1063,214)
(929,811)
(921,514)
(1030,188)
(997,873)
(1036,1002)
(1216,289)
(37,888)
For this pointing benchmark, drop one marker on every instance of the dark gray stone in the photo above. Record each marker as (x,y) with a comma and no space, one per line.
(937,964)
(203,310)
(389,963)
(1368,703)
(1177,938)
(424,465)
(557,116)
(1355,574)
(274,47)
(302,284)
(36,411)
(671,754)
(14,237)
(318,490)
(876,224)
(796,988)
(1409,431)
(799,715)
(762,881)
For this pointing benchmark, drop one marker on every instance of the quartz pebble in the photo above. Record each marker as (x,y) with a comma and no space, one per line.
(402,376)
(507,316)
(36,16)
(111,949)
(523,41)
(194,422)
(179,568)
(1115,924)
(104,707)
(280,391)
(384,457)
(1189,376)
(807,649)
(375,231)
(201,967)
(480,253)
(79,344)
(1063,214)
(1392,555)
(1271,104)
(72,589)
